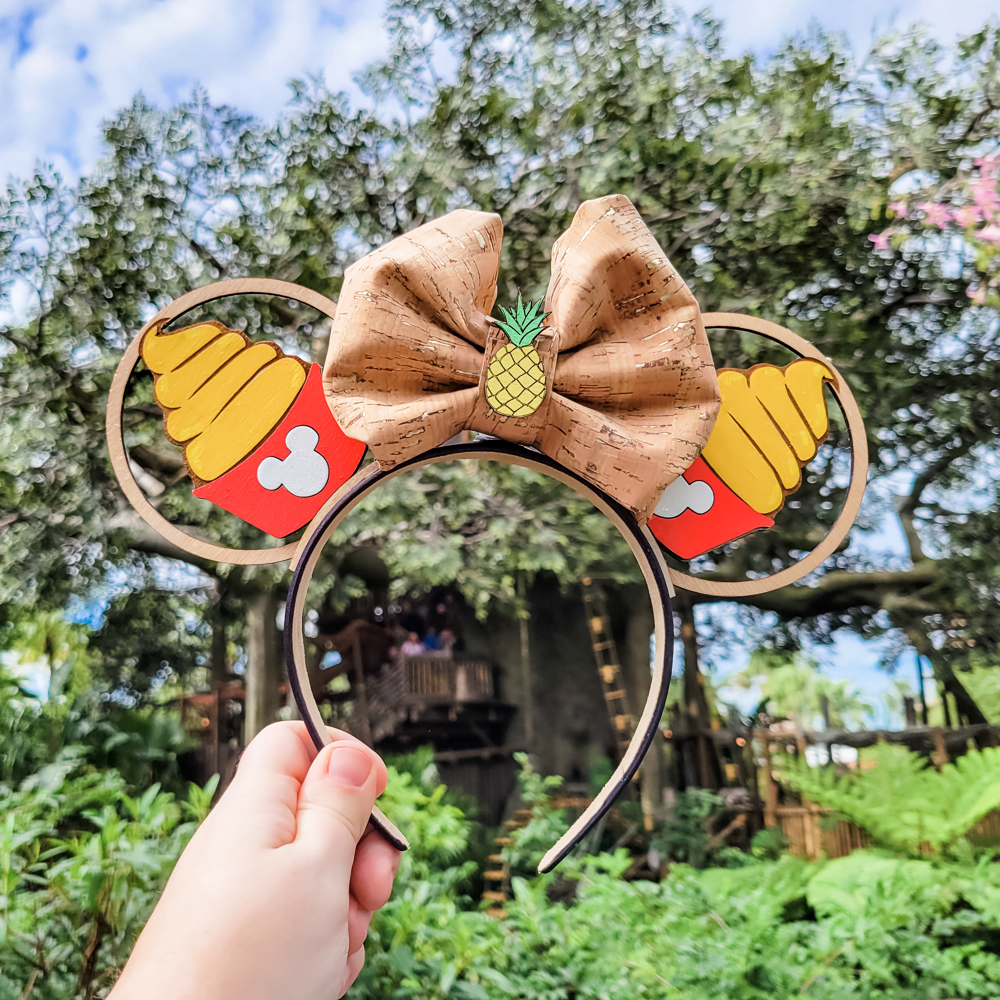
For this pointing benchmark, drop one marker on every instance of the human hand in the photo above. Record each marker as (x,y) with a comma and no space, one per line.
(273,896)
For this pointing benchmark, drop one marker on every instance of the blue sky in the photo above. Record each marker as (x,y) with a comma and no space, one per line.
(65,65)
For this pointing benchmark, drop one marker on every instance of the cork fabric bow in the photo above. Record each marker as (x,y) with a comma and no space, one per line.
(624,390)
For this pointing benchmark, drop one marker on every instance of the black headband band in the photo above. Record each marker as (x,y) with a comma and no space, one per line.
(639,539)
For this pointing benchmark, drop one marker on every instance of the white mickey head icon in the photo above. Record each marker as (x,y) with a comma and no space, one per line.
(681,495)
(304,473)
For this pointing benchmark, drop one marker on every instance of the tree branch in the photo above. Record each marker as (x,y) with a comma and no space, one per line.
(932,471)
(840,590)
(206,255)
(904,510)
(154,461)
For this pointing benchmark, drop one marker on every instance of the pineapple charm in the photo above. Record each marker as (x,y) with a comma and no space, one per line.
(515,379)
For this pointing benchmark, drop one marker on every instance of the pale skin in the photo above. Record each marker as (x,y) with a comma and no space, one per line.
(273,896)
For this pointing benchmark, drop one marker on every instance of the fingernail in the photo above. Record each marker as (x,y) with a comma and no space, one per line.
(349,765)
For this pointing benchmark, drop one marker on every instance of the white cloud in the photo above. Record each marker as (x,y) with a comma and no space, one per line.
(65,65)
(761,26)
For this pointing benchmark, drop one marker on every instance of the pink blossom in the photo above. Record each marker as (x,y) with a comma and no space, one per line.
(990,234)
(881,240)
(968,215)
(935,214)
(978,295)
(984,194)
(899,207)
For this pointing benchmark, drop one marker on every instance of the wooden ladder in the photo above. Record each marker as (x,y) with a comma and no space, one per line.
(608,667)
(497,878)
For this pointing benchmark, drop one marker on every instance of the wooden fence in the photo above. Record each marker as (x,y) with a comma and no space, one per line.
(804,828)
(809,837)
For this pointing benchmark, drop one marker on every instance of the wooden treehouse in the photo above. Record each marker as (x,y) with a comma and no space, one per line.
(400,703)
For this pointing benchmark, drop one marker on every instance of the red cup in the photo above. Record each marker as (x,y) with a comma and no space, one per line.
(283,482)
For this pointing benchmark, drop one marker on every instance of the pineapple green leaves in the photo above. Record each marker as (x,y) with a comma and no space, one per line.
(522,324)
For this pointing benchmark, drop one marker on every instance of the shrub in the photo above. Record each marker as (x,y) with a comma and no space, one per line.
(902,801)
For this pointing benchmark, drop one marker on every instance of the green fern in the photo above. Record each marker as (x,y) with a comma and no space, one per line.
(902,802)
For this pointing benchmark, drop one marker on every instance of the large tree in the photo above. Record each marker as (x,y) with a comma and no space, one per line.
(762,179)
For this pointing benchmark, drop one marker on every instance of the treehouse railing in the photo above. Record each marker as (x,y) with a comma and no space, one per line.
(424,680)
(432,679)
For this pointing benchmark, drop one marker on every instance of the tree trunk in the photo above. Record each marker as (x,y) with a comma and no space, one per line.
(638,629)
(220,663)
(948,683)
(263,676)
(965,704)
(695,701)
(360,721)
(526,681)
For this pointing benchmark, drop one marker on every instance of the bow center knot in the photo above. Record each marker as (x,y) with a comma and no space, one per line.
(519,364)
(612,377)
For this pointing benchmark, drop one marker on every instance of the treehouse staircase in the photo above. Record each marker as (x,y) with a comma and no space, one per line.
(608,666)
(497,878)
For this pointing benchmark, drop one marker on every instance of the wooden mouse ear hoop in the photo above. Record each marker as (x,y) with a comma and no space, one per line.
(639,539)
(116,403)
(859,467)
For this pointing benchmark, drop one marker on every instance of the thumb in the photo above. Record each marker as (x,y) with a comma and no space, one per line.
(336,799)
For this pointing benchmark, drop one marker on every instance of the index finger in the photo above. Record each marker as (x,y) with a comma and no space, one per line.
(269,778)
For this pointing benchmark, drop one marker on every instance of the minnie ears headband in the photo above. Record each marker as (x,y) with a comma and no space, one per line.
(610,388)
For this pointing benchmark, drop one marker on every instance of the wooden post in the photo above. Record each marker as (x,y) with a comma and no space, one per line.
(220,659)
(694,694)
(526,685)
(263,676)
(923,694)
(364,732)
(808,807)
(770,788)
(940,756)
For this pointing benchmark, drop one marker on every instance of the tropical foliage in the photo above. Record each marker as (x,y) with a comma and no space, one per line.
(903,800)
(793,687)
(867,926)
(85,846)
(762,180)
(84,853)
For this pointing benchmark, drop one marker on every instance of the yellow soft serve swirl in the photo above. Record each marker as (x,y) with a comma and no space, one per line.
(771,423)
(220,393)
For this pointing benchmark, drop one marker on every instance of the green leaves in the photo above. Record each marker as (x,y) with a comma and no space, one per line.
(901,800)
(865,927)
(524,323)
(82,864)
(478,525)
